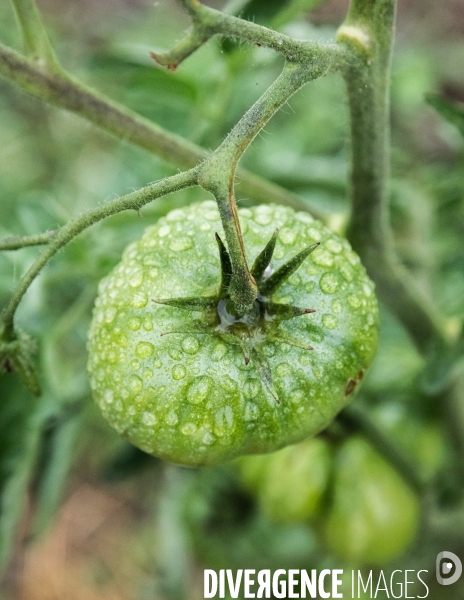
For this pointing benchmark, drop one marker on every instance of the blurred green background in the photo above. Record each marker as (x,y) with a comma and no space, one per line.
(83,514)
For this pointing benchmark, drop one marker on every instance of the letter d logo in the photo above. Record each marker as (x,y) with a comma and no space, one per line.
(449,568)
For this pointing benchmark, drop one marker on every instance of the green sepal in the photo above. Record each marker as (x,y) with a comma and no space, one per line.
(281,337)
(226,267)
(284,312)
(192,303)
(264,258)
(264,371)
(237,341)
(270,285)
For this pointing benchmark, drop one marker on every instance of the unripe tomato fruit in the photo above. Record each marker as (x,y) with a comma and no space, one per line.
(289,484)
(374,515)
(190,398)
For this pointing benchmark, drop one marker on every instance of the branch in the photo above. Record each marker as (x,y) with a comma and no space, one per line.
(63,236)
(356,418)
(217,173)
(208,22)
(16,242)
(62,91)
(36,41)
(367,34)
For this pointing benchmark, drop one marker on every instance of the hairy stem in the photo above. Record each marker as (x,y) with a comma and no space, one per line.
(64,92)
(36,41)
(133,201)
(16,242)
(368,35)
(208,22)
(217,173)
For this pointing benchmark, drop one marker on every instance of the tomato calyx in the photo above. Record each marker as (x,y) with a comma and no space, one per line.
(260,323)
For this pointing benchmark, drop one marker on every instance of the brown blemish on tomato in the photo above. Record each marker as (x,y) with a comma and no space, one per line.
(352,383)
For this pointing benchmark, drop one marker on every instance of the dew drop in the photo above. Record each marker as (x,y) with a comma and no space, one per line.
(147,373)
(287,236)
(136,279)
(199,389)
(219,351)
(224,419)
(263,215)
(139,300)
(329,321)
(110,313)
(148,323)
(315,234)
(134,324)
(210,215)
(297,396)
(109,396)
(334,246)
(135,383)
(322,257)
(227,383)
(144,349)
(208,439)
(181,244)
(251,412)
(164,230)
(134,365)
(354,301)
(336,306)
(171,418)
(251,388)
(309,287)
(347,272)
(329,283)
(190,345)
(153,259)
(178,372)
(148,418)
(175,353)
(188,428)
(283,370)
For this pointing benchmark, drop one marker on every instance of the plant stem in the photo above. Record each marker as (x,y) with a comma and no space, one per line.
(64,92)
(17,242)
(208,22)
(217,173)
(368,35)
(357,418)
(133,201)
(36,41)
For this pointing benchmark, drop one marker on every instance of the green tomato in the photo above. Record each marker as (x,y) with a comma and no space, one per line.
(190,397)
(289,484)
(374,515)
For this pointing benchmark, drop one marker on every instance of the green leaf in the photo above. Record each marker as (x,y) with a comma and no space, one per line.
(453,112)
(58,453)
(21,419)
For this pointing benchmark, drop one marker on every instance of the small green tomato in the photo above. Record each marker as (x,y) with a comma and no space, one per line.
(289,484)
(182,376)
(373,516)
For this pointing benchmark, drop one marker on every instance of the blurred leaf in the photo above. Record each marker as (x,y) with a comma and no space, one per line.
(453,112)
(292,10)
(21,420)
(58,456)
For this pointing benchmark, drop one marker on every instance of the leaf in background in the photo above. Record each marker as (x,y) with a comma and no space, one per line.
(453,112)
(21,420)
(292,10)
(58,455)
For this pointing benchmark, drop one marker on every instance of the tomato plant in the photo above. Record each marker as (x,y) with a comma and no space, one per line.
(243,314)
